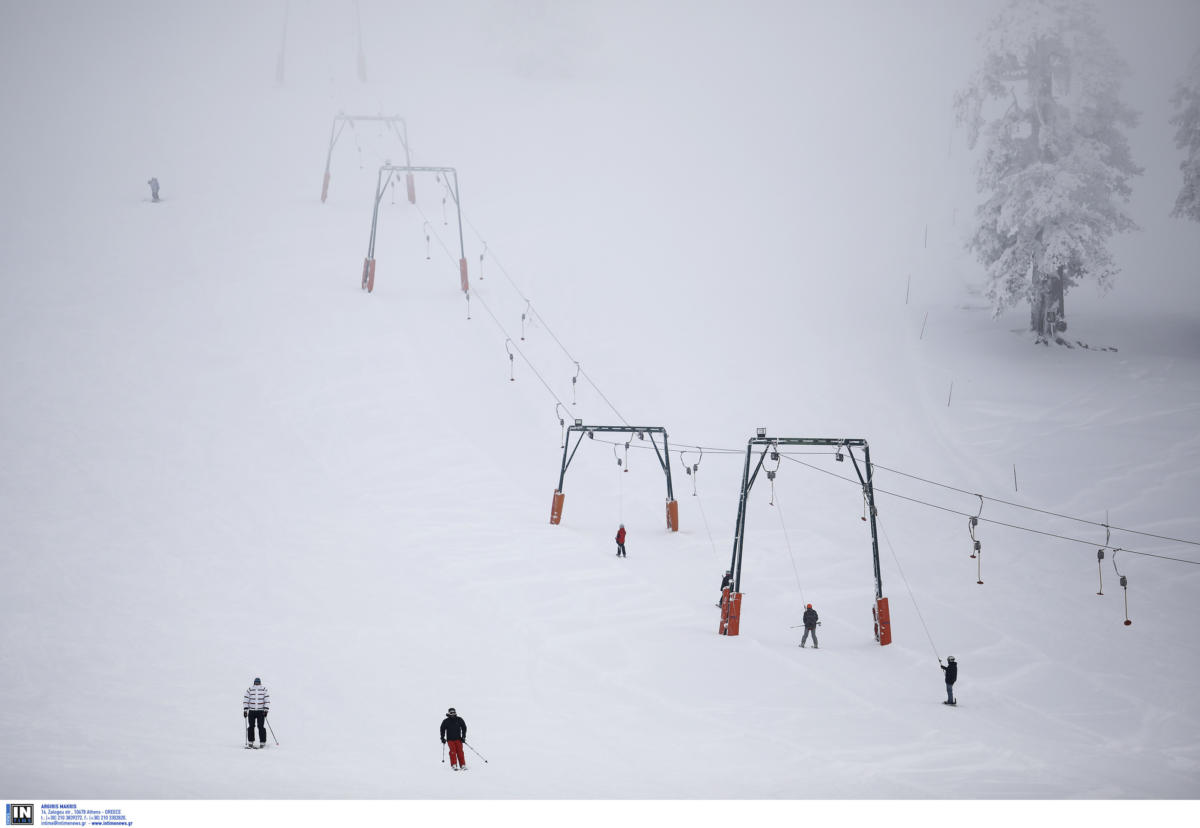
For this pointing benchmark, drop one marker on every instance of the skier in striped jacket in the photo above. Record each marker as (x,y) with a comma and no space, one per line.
(255,706)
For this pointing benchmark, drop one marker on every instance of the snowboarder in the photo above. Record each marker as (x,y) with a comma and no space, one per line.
(726,583)
(621,541)
(810,625)
(454,733)
(951,671)
(153,182)
(255,706)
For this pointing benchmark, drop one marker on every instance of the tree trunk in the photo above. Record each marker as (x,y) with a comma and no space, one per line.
(1047,314)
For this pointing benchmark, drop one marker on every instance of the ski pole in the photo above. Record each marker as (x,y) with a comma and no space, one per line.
(268,721)
(473,750)
(443,753)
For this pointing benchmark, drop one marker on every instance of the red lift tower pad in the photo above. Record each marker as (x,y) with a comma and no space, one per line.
(672,515)
(883,622)
(731,610)
(368,275)
(556,507)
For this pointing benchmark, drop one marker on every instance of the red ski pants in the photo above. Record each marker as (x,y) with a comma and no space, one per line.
(456,753)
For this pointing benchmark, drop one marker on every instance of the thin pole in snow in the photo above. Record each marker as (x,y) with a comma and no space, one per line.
(951,394)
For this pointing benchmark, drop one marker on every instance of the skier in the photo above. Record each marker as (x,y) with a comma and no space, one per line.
(621,541)
(454,733)
(951,671)
(810,625)
(255,706)
(153,182)
(726,582)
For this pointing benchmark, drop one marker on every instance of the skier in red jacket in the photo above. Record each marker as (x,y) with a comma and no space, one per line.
(621,541)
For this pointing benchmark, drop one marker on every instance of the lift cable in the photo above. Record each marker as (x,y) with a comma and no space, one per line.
(499,324)
(532,310)
(791,456)
(911,596)
(1034,509)
(990,520)
(787,542)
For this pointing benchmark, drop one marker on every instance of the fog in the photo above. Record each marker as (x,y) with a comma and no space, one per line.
(735,214)
(797,130)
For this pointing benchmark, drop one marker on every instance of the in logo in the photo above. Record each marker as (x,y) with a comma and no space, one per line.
(18,814)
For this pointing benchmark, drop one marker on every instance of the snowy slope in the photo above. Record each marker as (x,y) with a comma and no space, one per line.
(222,459)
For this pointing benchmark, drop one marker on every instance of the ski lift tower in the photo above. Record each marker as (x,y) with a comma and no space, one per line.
(386,174)
(590,431)
(394,123)
(731,599)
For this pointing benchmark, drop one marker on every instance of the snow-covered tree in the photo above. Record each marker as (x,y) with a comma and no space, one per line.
(1056,163)
(1187,138)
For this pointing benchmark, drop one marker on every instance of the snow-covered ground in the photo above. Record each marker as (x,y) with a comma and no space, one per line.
(221,459)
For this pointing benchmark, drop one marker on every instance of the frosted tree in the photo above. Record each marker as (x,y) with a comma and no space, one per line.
(1187,138)
(1055,163)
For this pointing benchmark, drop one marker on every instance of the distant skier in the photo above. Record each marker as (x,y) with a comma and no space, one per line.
(255,706)
(621,541)
(454,733)
(726,583)
(153,182)
(810,625)
(951,670)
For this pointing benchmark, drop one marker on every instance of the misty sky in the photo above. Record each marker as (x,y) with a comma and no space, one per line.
(808,120)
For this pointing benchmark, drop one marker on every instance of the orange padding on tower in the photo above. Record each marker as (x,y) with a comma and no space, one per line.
(883,622)
(672,515)
(556,508)
(325,188)
(462,271)
(731,611)
(412,189)
(368,279)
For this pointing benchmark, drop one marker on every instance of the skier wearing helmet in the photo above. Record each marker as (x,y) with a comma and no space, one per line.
(951,670)
(726,583)
(810,625)
(454,733)
(621,541)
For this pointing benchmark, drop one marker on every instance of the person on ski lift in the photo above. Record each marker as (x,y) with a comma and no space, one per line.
(726,583)
(950,668)
(153,182)
(255,706)
(454,733)
(810,625)
(621,541)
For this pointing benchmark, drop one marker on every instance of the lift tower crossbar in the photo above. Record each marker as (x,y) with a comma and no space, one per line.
(762,444)
(386,173)
(590,431)
(394,122)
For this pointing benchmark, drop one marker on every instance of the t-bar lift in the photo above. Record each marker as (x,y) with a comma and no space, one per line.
(590,431)
(394,122)
(731,598)
(381,184)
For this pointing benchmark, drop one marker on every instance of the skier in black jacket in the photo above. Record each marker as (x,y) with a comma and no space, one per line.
(810,626)
(727,581)
(951,671)
(454,733)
